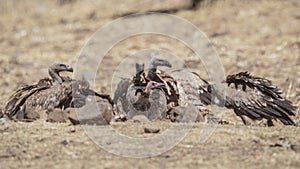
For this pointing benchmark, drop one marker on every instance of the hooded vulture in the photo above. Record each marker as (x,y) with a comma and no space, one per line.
(141,95)
(149,100)
(120,94)
(49,93)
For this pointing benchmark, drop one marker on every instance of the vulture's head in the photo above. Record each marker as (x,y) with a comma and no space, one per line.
(150,86)
(155,62)
(55,68)
(59,67)
(153,85)
(242,76)
(139,67)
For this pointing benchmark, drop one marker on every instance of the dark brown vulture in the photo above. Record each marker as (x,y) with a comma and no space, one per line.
(257,98)
(140,95)
(149,101)
(49,93)
(170,88)
(120,93)
(184,88)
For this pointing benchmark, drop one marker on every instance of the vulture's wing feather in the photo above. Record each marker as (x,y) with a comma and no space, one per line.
(91,92)
(257,98)
(120,94)
(18,98)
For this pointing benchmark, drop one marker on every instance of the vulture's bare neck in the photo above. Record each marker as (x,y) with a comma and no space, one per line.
(55,76)
(154,63)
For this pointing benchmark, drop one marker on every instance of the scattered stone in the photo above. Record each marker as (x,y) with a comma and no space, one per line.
(57,115)
(140,119)
(276,145)
(151,130)
(41,139)
(288,145)
(72,116)
(91,114)
(64,142)
(223,122)
(72,130)
(6,155)
(31,113)
(295,148)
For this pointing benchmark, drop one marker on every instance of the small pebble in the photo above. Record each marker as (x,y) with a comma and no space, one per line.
(73,130)
(151,130)
(140,119)
(64,142)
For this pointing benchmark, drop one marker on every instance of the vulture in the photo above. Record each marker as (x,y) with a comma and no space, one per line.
(250,96)
(149,101)
(170,87)
(256,98)
(140,95)
(50,93)
(120,100)
(181,89)
(155,74)
(190,92)
(186,95)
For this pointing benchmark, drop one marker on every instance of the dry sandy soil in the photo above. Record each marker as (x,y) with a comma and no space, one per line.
(262,37)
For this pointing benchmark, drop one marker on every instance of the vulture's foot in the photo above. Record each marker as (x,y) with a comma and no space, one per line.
(120,117)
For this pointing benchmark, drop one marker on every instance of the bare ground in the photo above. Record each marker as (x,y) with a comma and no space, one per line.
(261,37)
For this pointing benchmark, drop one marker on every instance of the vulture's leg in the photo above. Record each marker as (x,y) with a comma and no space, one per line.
(245,120)
(121,116)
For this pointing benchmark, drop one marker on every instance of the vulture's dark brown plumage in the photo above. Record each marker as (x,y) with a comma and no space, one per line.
(257,98)
(49,93)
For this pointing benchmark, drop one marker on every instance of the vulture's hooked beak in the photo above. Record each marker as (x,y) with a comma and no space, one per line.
(69,68)
(155,85)
(155,62)
(162,62)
